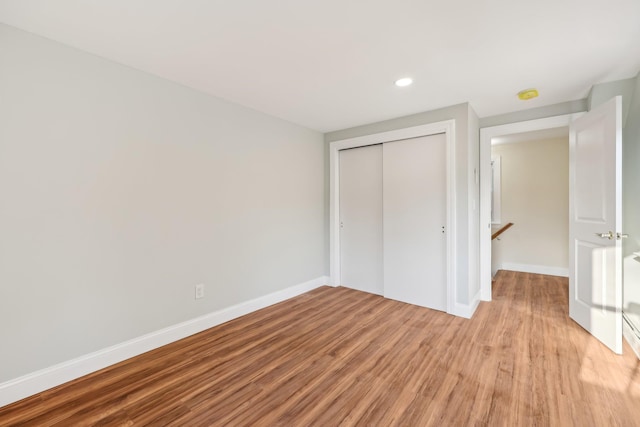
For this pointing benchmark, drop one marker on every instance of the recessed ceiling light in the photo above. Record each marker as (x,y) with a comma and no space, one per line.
(404,82)
(527,94)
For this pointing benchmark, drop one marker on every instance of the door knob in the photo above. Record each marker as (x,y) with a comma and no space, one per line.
(620,236)
(608,235)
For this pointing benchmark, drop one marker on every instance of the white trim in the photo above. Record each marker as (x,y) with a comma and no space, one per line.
(448,128)
(631,335)
(44,379)
(536,269)
(485,184)
(496,208)
(466,311)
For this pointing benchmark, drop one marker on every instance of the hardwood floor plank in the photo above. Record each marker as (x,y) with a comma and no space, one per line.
(336,356)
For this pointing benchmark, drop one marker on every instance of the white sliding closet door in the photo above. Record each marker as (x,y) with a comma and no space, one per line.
(415,200)
(361,219)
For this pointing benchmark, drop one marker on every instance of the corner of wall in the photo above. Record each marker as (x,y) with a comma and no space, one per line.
(327,204)
(603,92)
(473,208)
(467,310)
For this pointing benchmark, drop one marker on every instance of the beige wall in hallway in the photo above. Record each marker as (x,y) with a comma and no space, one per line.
(535,197)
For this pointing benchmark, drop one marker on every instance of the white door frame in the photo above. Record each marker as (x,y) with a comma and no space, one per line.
(448,128)
(486,134)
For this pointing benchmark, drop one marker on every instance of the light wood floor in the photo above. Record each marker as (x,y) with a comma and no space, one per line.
(342,357)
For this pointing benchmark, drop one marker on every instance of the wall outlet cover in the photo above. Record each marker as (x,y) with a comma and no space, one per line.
(200,291)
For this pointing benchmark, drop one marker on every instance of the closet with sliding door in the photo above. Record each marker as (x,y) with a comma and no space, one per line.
(393,219)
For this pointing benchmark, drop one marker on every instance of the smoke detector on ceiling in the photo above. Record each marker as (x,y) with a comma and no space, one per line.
(528,94)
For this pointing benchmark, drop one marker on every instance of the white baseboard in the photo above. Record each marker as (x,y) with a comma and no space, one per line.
(467,310)
(537,269)
(631,335)
(36,382)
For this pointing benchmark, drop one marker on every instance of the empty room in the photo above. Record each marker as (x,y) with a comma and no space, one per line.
(292,213)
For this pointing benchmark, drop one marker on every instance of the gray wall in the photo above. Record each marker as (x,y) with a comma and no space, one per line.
(631,206)
(561,109)
(473,193)
(603,92)
(466,194)
(120,191)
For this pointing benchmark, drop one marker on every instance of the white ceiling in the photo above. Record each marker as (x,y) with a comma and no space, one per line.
(331,64)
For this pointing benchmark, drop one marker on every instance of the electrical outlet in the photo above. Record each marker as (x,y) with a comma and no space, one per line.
(200,291)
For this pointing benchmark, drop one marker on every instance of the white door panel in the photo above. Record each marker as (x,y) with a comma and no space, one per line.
(415,200)
(595,211)
(361,219)
(591,182)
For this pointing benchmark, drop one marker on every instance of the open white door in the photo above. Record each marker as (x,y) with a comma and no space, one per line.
(595,221)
